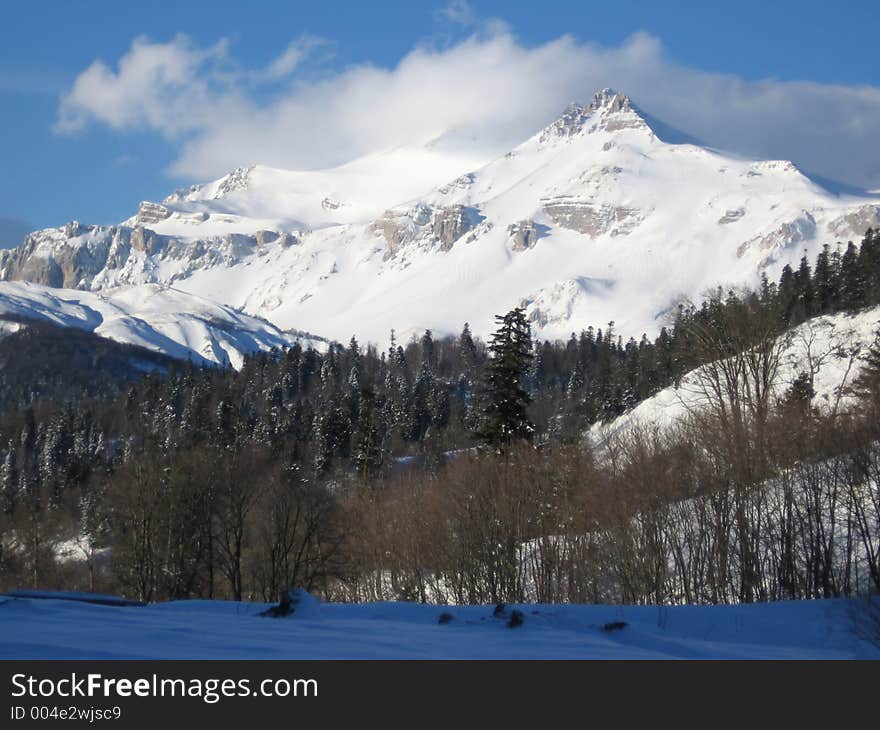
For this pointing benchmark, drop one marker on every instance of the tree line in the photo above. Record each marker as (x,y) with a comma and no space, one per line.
(452,469)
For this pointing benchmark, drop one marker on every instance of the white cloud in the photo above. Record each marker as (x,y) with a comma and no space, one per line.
(166,87)
(459,12)
(489,86)
(293,56)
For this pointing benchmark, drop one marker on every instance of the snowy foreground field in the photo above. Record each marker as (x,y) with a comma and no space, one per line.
(60,629)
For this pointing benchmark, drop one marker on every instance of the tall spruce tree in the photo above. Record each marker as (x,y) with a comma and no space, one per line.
(867,385)
(505,401)
(370,437)
(853,284)
(468,350)
(824,282)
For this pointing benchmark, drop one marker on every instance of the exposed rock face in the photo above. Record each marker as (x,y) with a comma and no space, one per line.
(593,219)
(525,234)
(38,270)
(238,179)
(267,238)
(788,234)
(182,194)
(147,241)
(152,213)
(83,257)
(460,183)
(855,224)
(64,256)
(450,224)
(399,229)
(426,226)
(762,166)
(608,111)
(570,122)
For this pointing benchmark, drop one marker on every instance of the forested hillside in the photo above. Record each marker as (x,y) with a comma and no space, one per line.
(450,469)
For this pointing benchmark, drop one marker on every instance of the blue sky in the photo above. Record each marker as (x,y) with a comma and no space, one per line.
(732,74)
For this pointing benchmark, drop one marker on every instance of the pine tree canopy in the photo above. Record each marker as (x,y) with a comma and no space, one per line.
(504,417)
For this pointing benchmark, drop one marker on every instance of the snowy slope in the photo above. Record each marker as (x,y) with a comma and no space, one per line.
(260,197)
(594,218)
(158,318)
(56,629)
(831,347)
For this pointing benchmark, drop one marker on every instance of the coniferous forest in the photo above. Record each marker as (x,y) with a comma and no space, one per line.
(450,469)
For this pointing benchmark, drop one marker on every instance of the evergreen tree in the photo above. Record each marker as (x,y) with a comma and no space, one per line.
(438,405)
(800,394)
(786,294)
(9,479)
(869,263)
(369,438)
(504,415)
(824,282)
(420,412)
(868,383)
(427,347)
(853,283)
(468,350)
(803,281)
(572,415)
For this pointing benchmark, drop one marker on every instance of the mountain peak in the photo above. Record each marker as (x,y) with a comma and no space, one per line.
(610,100)
(609,110)
(238,179)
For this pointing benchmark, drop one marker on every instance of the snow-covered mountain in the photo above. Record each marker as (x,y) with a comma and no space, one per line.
(157,318)
(255,198)
(601,215)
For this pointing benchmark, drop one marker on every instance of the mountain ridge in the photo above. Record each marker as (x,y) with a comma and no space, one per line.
(594,217)
(160,319)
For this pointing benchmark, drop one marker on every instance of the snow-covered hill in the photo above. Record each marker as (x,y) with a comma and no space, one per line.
(154,317)
(594,218)
(830,349)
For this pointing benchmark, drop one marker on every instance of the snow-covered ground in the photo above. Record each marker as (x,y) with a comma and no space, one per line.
(831,348)
(260,197)
(158,318)
(61,629)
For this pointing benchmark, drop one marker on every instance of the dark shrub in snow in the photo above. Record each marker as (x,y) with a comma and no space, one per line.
(297,602)
(614,626)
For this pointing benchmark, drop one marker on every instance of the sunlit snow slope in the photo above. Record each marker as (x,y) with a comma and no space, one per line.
(830,349)
(158,318)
